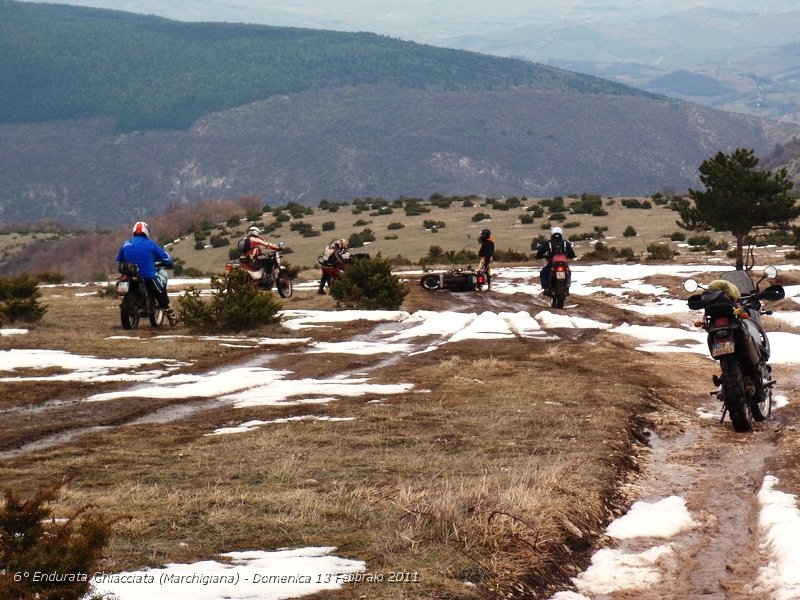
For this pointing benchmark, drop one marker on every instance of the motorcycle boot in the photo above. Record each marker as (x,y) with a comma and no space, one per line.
(171,316)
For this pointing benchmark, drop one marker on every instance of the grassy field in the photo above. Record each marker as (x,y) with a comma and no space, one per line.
(413,240)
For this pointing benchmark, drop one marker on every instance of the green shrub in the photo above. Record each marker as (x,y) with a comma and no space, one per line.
(19,300)
(481,216)
(53,278)
(361,223)
(328,226)
(660,252)
(219,242)
(199,245)
(677,236)
(31,541)
(395,225)
(526,219)
(235,305)
(233,221)
(629,232)
(369,284)
(557,216)
(431,224)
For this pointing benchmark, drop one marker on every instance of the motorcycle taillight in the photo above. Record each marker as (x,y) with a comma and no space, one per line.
(560,268)
(228,268)
(721,321)
(481,278)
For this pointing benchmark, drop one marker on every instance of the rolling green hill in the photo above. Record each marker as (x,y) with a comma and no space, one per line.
(152,73)
(108,117)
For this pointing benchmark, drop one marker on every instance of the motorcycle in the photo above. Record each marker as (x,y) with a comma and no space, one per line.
(558,280)
(455,280)
(332,270)
(266,271)
(737,339)
(136,302)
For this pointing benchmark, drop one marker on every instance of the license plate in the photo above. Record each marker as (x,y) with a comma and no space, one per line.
(561,274)
(722,347)
(122,287)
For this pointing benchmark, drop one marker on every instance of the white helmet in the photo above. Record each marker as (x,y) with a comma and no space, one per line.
(556,231)
(254,231)
(141,228)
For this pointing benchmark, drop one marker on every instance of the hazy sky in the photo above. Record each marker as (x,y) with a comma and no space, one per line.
(421,20)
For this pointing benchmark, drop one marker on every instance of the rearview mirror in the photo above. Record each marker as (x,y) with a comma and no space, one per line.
(690,285)
(770,272)
(773,293)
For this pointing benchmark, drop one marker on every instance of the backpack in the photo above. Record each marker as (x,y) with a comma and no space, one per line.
(558,246)
(243,245)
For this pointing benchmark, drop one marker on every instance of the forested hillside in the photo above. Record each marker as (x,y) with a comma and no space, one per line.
(153,73)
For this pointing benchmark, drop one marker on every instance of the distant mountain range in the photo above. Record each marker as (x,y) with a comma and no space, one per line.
(106,117)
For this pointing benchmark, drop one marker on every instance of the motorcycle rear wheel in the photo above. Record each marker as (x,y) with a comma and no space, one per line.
(128,314)
(733,394)
(559,294)
(430,282)
(284,285)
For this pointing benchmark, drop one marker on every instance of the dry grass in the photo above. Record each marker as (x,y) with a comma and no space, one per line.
(499,470)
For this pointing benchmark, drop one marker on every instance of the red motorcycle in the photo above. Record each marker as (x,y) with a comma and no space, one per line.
(265,272)
(332,270)
(558,280)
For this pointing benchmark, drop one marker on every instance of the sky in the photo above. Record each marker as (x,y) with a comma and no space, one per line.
(421,20)
(244,574)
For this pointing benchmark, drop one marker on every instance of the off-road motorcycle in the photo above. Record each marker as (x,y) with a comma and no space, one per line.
(334,269)
(136,302)
(455,280)
(737,339)
(266,271)
(558,280)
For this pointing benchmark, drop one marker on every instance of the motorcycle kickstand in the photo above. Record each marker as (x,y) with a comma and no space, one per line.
(724,408)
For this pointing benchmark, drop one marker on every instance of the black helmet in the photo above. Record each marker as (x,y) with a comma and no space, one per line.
(485,233)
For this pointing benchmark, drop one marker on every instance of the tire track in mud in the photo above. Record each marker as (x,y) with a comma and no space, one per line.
(718,473)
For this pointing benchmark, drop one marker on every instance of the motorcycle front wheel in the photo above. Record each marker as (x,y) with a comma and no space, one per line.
(154,313)
(128,314)
(430,282)
(733,394)
(762,410)
(284,285)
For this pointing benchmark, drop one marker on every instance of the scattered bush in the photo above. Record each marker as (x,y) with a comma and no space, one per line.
(356,240)
(629,232)
(199,245)
(219,242)
(608,253)
(526,219)
(233,221)
(431,224)
(481,216)
(395,225)
(660,252)
(361,223)
(53,278)
(557,216)
(19,300)
(328,226)
(677,236)
(31,541)
(235,305)
(369,284)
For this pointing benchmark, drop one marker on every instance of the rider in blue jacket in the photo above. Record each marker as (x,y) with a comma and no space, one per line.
(145,253)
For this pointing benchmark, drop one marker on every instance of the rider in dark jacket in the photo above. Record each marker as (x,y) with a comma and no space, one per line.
(145,253)
(555,245)
(486,255)
(335,255)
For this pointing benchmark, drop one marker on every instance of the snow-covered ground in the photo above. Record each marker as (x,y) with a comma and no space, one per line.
(252,574)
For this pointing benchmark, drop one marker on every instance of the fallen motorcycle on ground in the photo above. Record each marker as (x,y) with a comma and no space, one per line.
(738,341)
(455,280)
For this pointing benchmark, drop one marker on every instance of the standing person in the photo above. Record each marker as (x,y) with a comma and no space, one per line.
(555,245)
(145,253)
(335,256)
(255,249)
(486,255)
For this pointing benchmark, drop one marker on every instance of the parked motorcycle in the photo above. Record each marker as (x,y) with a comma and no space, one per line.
(558,280)
(455,280)
(136,300)
(266,271)
(332,272)
(737,339)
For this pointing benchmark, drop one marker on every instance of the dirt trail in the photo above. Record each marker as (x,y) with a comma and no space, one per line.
(719,473)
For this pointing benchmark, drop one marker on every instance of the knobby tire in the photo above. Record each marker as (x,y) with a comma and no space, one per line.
(733,394)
